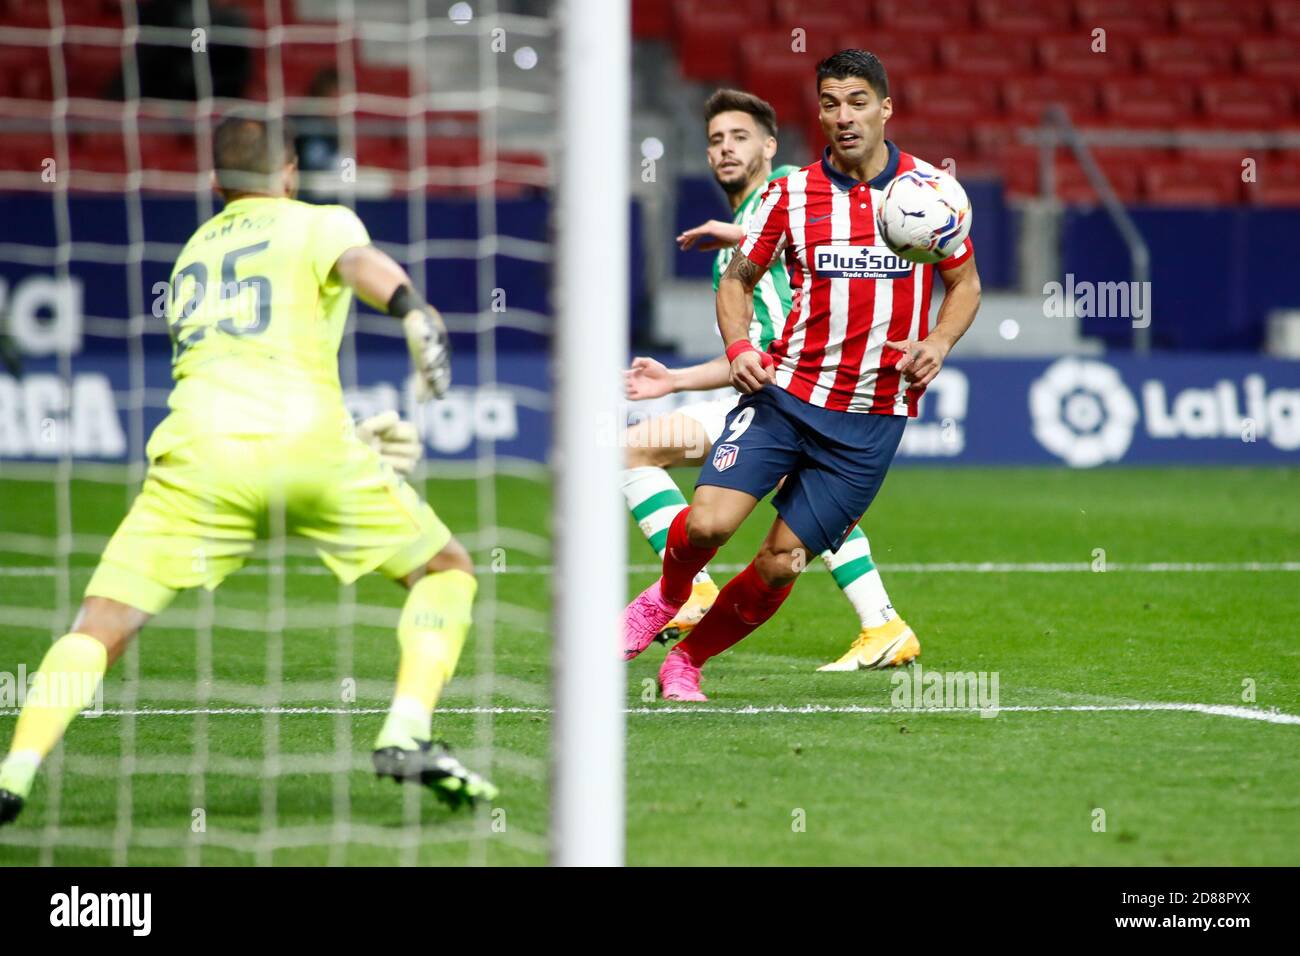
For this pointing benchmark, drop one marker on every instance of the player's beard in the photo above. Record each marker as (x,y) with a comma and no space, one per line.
(741,183)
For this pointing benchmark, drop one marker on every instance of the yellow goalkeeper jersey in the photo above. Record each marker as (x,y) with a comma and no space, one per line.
(256,318)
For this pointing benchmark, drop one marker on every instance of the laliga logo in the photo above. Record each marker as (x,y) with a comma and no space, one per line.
(1083,412)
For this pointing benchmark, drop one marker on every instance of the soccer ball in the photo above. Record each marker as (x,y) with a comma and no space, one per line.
(925,215)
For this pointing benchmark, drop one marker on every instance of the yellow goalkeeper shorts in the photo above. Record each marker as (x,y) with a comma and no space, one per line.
(207,500)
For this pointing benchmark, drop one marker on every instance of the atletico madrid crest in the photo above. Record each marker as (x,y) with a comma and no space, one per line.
(724,456)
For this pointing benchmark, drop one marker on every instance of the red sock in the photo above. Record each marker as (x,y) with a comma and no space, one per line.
(746,602)
(682,561)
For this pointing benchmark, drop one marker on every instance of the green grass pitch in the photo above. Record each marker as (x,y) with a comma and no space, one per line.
(836,787)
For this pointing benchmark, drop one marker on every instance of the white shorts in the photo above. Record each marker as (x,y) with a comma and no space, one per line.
(712,413)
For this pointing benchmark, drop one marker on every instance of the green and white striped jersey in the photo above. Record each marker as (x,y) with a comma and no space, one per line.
(772,294)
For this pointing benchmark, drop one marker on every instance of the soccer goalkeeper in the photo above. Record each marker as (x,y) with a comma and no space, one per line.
(258,441)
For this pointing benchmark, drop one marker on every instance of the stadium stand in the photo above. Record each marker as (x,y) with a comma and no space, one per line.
(92,52)
(1176,67)
(1167,66)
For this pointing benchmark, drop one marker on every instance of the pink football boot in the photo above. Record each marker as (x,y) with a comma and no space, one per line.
(644,618)
(679,679)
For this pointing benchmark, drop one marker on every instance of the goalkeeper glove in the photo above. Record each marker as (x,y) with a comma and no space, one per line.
(430,347)
(427,338)
(397,442)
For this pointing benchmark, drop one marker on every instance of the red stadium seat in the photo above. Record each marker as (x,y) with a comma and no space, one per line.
(1222,158)
(255,11)
(1021,172)
(26,150)
(820,16)
(519,174)
(1019,165)
(25,14)
(1246,101)
(787,79)
(1073,185)
(101,152)
(450,165)
(901,53)
(985,55)
(1027,97)
(382,152)
(447,160)
(1277,56)
(1072,54)
(987,142)
(91,69)
(1285,16)
(383,80)
(1126,16)
(708,34)
(1218,17)
(168,152)
(91,13)
(948,17)
(992,138)
(944,95)
(1277,183)
(1189,183)
(300,63)
(451,152)
(109,151)
(813,136)
(932,140)
(1023,16)
(28,70)
(770,69)
(1185,56)
(651,19)
(1212,152)
(1146,100)
(1108,157)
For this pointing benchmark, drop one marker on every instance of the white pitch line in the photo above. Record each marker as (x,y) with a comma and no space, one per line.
(1209,710)
(1034,567)
(917,567)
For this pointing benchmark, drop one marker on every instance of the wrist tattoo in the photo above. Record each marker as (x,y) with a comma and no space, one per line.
(743,268)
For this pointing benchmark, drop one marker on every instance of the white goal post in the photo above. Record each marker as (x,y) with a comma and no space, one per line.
(591,289)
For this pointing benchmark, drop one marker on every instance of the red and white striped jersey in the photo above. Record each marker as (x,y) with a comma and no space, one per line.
(850,292)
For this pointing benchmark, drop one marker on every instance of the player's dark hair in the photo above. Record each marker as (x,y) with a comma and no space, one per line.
(248,150)
(859,63)
(738,101)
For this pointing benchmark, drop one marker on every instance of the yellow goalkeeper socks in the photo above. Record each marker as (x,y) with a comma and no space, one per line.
(67,681)
(431,632)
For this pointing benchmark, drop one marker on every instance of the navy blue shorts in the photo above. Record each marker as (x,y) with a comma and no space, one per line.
(833,462)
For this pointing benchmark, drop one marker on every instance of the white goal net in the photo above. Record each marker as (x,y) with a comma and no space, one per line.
(237,728)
